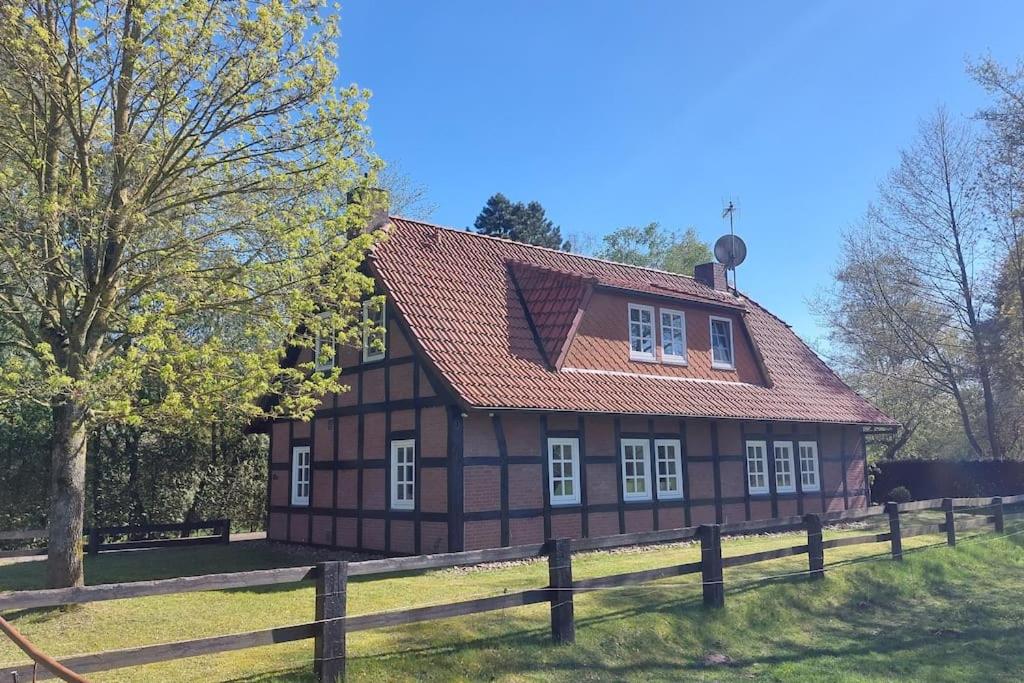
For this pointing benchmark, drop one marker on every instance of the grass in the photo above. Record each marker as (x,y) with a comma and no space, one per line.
(941,615)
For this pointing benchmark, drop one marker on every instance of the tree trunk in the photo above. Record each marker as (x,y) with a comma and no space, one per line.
(67,495)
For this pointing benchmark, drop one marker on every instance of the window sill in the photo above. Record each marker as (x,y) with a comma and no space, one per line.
(679,362)
(299,505)
(627,501)
(722,366)
(670,496)
(643,359)
(566,504)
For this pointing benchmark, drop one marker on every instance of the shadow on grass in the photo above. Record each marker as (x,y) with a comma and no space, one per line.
(880,627)
(915,649)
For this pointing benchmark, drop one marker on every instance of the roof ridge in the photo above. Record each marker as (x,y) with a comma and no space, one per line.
(550,269)
(535,246)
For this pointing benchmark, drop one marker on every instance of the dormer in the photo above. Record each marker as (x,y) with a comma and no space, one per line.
(595,323)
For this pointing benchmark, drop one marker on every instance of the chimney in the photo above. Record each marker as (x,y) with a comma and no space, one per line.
(712,275)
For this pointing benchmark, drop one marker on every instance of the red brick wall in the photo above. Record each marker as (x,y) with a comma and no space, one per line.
(482,485)
(600,461)
(602,341)
(433,537)
(333,436)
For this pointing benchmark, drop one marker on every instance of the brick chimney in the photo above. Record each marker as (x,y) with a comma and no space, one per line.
(712,275)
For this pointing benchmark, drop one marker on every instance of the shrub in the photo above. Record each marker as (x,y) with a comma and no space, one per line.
(900,494)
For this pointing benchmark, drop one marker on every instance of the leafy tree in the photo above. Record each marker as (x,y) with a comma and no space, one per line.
(656,247)
(519,222)
(172,185)
(1003,182)
(908,306)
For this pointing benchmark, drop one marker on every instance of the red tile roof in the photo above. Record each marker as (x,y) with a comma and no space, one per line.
(469,301)
(554,301)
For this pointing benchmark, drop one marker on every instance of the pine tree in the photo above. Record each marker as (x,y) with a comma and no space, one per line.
(519,222)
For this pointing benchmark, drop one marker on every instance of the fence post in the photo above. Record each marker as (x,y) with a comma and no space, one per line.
(225,531)
(329,645)
(563,622)
(94,540)
(711,565)
(947,507)
(997,512)
(893,510)
(815,549)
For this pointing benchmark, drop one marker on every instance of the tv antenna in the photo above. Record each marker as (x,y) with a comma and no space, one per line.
(730,250)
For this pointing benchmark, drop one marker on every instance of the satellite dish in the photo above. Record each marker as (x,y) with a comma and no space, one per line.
(730,251)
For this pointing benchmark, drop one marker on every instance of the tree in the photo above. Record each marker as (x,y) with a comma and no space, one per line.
(656,247)
(406,197)
(1003,182)
(908,306)
(172,185)
(519,222)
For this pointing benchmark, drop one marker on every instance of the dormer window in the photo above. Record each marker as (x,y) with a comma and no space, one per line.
(373,330)
(641,332)
(721,344)
(673,336)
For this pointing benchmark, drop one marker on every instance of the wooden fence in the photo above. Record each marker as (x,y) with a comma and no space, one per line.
(332,624)
(129,537)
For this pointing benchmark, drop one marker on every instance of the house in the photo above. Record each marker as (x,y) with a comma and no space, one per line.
(522,393)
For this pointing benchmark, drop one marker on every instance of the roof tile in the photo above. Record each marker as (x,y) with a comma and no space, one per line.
(458,292)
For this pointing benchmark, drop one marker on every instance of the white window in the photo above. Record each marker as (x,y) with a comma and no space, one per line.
(636,470)
(785,482)
(641,332)
(668,468)
(721,344)
(564,471)
(300,475)
(757,467)
(673,336)
(373,330)
(323,351)
(809,480)
(403,474)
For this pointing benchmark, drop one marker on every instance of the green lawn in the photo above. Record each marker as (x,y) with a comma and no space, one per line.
(941,615)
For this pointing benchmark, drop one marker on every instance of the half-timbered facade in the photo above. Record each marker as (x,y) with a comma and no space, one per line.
(521,393)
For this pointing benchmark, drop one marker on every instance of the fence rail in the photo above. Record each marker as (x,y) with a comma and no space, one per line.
(332,623)
(137,536)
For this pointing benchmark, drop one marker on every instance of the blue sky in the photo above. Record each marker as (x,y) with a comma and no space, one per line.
(622,113)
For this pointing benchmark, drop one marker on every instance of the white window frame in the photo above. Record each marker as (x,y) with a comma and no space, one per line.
(763,473)
(812,447)
(718,364)
(302,464)
(640,355)
(677,460)
(318,365)
(398,483)
(786,447)
(673,358)
(574,478)
(646,462)
(371,354)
